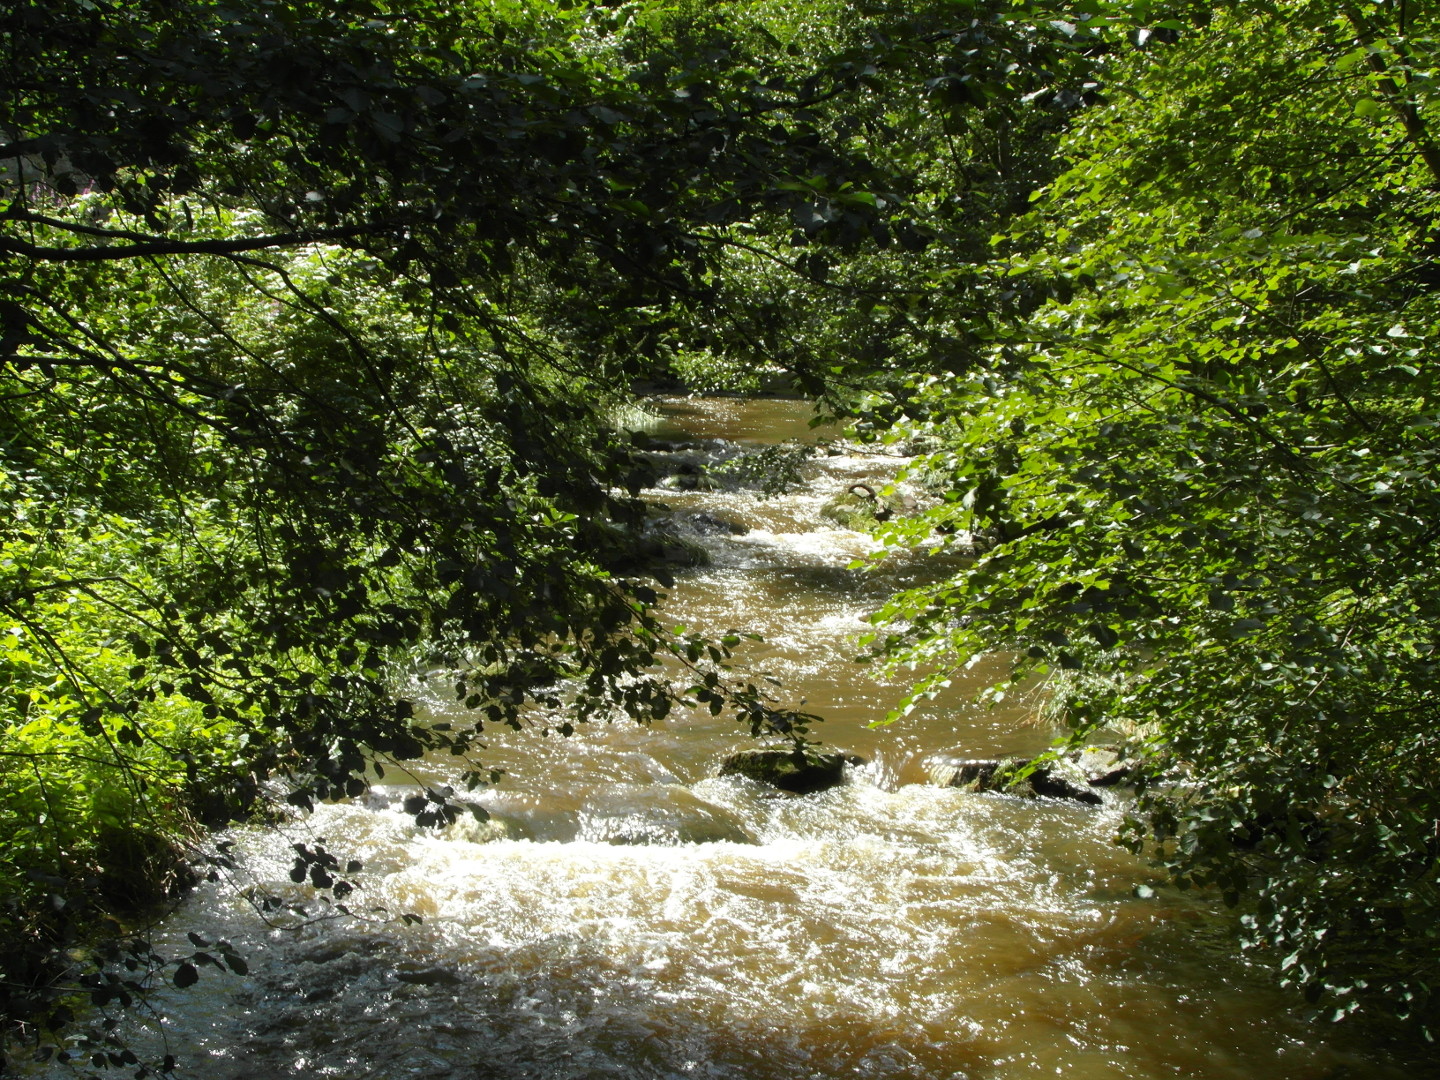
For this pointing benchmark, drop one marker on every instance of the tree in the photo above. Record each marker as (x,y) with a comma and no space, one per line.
(1205,461)
(311,316)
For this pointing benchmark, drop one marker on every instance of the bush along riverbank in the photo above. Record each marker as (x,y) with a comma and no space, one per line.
(130,734)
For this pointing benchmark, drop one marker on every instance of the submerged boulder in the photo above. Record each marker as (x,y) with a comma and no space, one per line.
(1072,777)
(971,775)
(1102,766)
(682,473)
(655,548)
(800,771)
(700,829)
(659,814)
(861,507)
(418,975)
(492,829)
(710,525)
(1058,781)
(675,551)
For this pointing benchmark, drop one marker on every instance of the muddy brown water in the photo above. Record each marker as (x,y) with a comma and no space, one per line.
(625,913)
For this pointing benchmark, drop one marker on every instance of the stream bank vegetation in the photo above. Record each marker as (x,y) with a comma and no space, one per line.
(1206,444)
(313,315)
(312,319)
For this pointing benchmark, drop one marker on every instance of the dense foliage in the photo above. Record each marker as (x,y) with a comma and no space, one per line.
(1206,461)
(312,316)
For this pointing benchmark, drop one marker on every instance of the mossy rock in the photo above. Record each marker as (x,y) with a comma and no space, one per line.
(862,508)
(849,512)
(474,831)
(800,772)
(1102,766)
(684,474)
(520,672)
(1062,780)
(660,814)
(711,829)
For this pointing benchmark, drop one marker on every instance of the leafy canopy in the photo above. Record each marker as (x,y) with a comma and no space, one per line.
(1206,463)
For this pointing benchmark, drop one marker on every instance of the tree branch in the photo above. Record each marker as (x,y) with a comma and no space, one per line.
(187,247)
(1401,104)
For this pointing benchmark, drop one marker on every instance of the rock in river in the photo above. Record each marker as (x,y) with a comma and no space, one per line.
(798,771)
(1065,778)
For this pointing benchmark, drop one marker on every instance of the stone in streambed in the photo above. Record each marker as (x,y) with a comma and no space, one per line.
(710,525)
(1054,781)
(659,814)
(970,775)
(798,771)
(861,507)
(1103,766)
(687,476)
(1063,779)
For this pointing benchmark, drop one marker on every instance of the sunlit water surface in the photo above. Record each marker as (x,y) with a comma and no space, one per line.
(626,913)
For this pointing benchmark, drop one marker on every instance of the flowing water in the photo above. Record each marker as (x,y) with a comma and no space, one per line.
(626,913)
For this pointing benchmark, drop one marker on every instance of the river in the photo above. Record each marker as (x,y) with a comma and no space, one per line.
(627,913)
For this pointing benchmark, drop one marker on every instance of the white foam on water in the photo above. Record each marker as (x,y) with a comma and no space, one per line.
(873,930)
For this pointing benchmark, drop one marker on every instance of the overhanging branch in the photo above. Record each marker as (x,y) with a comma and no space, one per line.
(157,246)
(1401,103)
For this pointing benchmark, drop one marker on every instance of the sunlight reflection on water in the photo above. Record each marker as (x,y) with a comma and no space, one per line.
(880,929)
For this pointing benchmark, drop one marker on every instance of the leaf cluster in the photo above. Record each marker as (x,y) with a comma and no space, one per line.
(1197,468)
